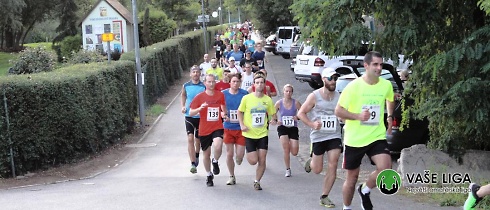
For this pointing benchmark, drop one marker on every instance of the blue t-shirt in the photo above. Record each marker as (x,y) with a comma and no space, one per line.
(237,55)
(250,43)
(191,90)
(232,102)
(259,56)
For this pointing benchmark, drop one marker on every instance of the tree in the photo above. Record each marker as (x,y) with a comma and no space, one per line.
(271,14)
(184,12)
(448,42)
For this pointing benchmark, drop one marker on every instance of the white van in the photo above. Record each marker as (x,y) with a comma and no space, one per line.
(285,36)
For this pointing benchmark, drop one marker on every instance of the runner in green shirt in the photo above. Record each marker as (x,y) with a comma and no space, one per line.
(362,106)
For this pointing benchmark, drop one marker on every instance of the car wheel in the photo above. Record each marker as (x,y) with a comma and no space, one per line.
(286,56)
(314,85)
(274,52)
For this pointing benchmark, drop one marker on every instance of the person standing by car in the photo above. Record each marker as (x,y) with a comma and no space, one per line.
(210,105)
(287,130)
(189,91)
(233,138)
(325,134)
(362,106)
(254,112)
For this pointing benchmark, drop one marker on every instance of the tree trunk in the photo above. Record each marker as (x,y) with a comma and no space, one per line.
(9,38)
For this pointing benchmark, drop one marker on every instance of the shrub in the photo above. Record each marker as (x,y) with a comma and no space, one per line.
(33,60)
(70,44)
(85,56)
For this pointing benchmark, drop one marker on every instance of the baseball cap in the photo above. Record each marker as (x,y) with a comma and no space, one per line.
(248,51)
(328,72)
(231,58)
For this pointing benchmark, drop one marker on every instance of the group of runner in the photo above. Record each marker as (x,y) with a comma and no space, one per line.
(240,114)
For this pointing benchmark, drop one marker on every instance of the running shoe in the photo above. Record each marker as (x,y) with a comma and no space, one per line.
(197,159)
(215,168)
(257,186)
(307,165)
(288,173)
(365,199)
(238,161)
(326,202)
(231,181)
(209,181)
(193,169)
(472,199)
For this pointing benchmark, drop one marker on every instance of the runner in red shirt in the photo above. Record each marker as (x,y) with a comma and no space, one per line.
(269,89)
(210,105)
(224,83)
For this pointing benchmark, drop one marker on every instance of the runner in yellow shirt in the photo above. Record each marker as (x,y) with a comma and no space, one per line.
(253,114)
(215,70)
(362,106)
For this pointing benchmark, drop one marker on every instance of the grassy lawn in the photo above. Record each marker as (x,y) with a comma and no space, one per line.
(4,62)
(5,57)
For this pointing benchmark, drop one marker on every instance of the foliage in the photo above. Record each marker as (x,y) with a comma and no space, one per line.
(70,45)
(85,56)
(448,42)
(160,27)
(270,15)
(60,116)
(33,60)
(5,62)
(485,5)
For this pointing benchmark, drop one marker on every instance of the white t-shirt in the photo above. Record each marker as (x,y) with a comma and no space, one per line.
(204,66)
(247,80)
(236,69)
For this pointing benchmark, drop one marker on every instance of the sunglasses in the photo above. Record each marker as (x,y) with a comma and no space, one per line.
(334,78)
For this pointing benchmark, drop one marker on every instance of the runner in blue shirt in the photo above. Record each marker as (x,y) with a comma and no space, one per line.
(189,91)
(234,141)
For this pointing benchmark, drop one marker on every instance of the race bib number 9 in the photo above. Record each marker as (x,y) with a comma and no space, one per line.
(234,116)
(213,113)
(329,123)
(288,121)
(374,112)
(258,119)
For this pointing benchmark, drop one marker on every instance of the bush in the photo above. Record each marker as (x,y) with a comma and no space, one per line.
(160,27)
(70,44)
(85,56)
(33,60)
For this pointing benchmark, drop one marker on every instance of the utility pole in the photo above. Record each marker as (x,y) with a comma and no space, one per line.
(204,27)
(139,75)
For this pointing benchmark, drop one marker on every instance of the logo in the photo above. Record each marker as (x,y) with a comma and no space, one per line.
(388,182)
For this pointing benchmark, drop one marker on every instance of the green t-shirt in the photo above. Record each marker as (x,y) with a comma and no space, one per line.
(357,96)
(218,72)
(255,115)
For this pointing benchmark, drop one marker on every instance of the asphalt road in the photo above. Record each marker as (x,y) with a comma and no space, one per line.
(157,175)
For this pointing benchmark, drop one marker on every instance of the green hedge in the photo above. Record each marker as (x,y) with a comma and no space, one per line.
(58,117)
(61,116)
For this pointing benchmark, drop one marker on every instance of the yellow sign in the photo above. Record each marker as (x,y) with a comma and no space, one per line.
(107,37)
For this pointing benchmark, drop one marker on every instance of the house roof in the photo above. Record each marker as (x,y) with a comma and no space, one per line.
(116,6)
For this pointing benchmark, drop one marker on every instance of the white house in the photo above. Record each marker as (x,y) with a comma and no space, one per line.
(108,16)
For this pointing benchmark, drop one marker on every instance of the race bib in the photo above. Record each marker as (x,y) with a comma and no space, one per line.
(234,116)
(329,123)
(213,113)
(258,119)
(374,112)
(250,46)
(288,121)
(218,48)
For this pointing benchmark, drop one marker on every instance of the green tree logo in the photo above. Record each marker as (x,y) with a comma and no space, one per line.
(388,182)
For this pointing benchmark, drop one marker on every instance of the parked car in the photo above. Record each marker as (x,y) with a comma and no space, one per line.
(285,36)
(293,64)
(417,131)
(294,49)
(310,62)
(270,44)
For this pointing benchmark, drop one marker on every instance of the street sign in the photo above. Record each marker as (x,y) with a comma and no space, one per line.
(107,37)
(200,19)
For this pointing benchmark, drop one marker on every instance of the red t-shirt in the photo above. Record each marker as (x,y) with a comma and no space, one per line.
(210,120)
(221,86)
(267,83)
